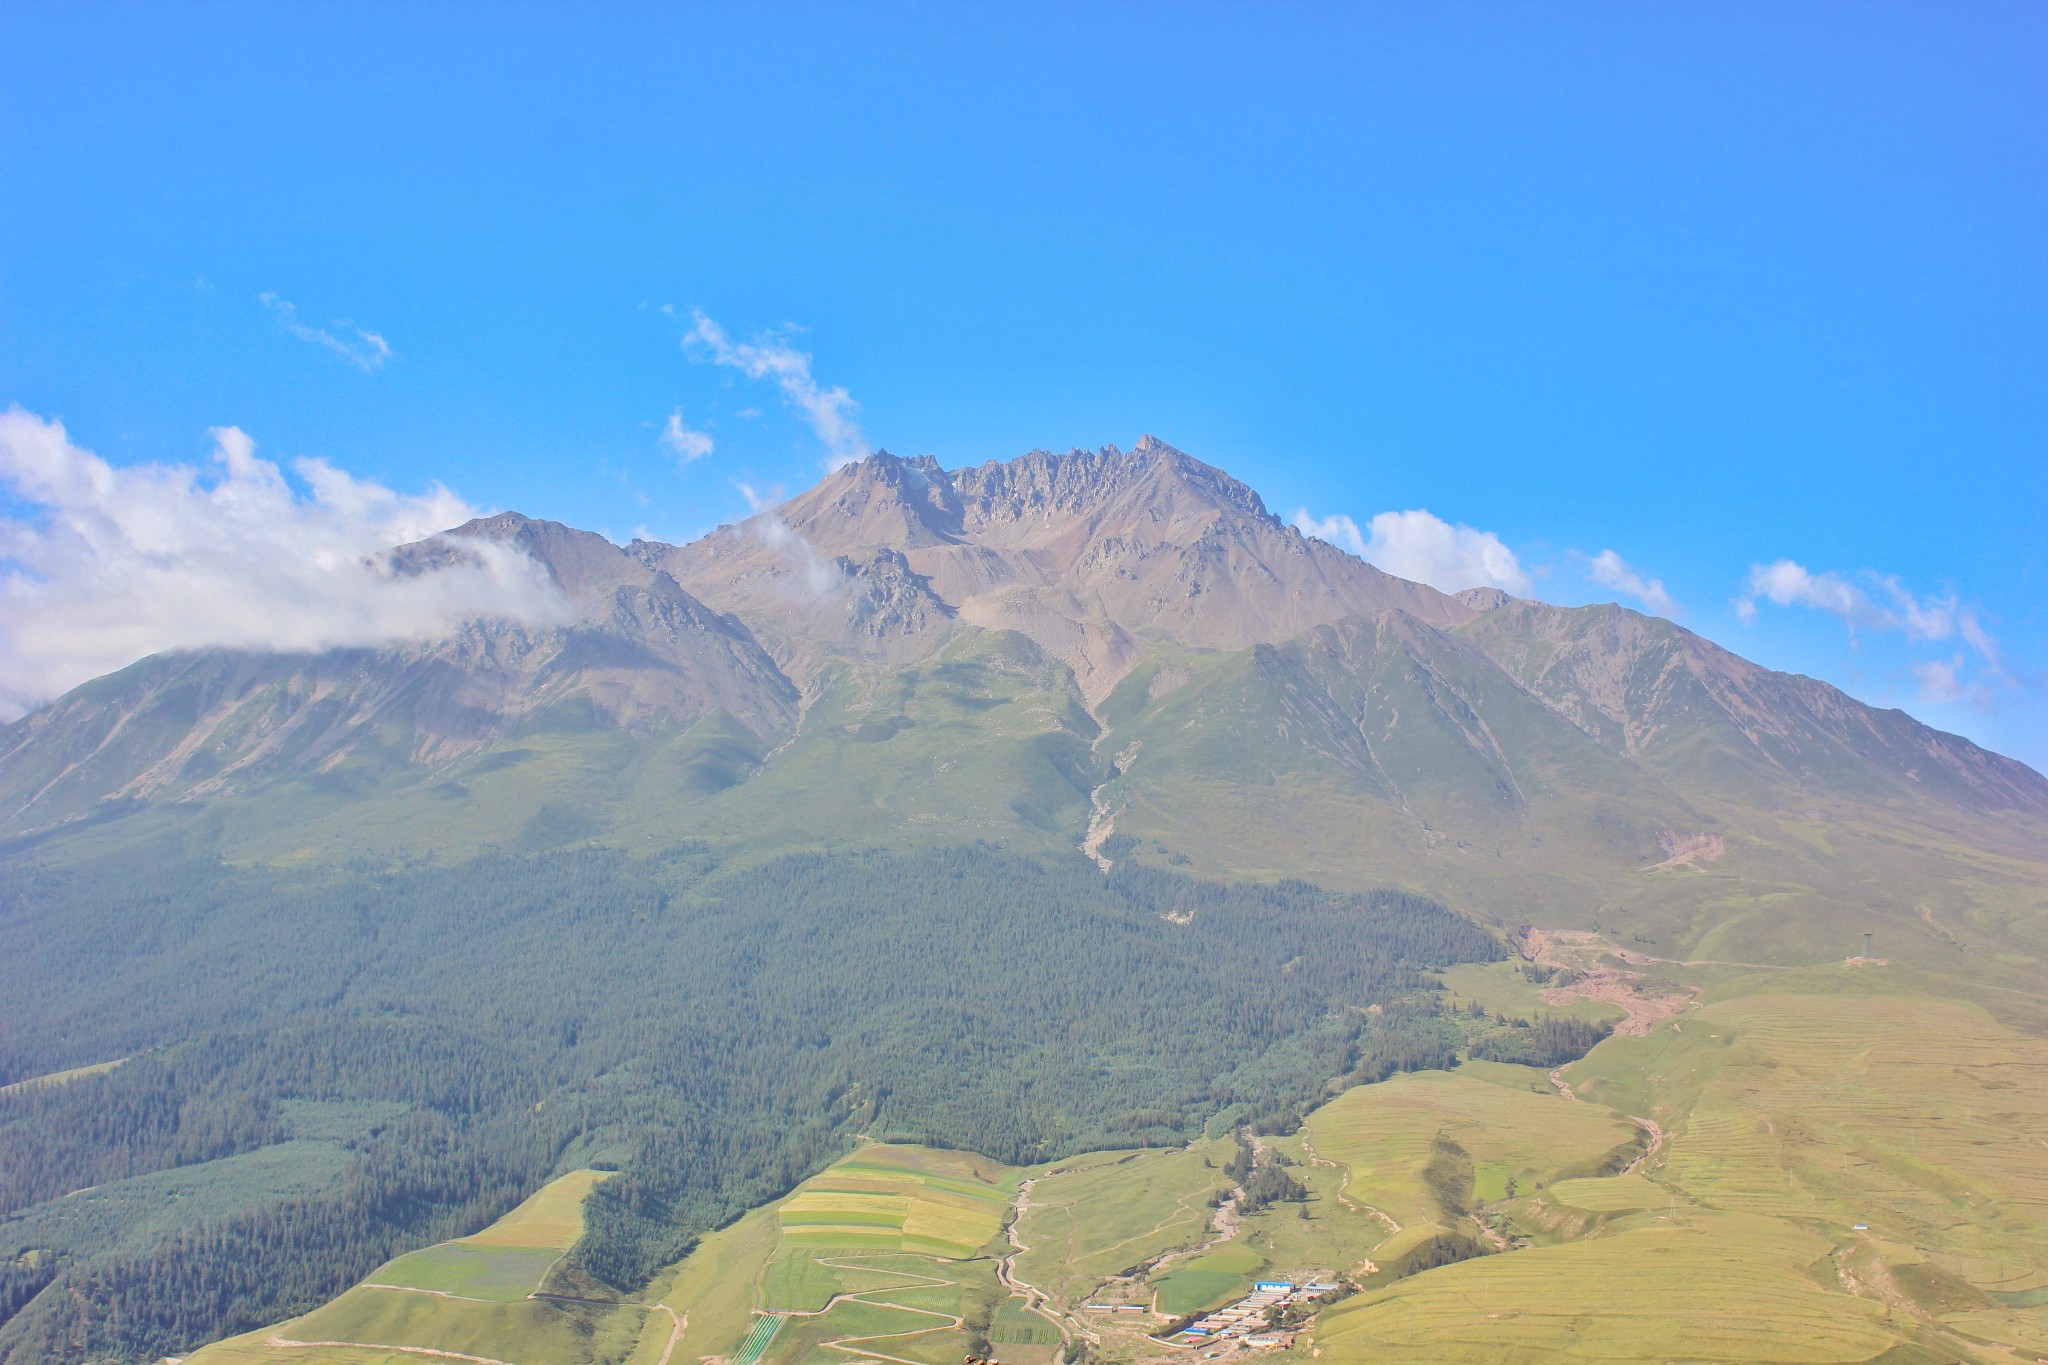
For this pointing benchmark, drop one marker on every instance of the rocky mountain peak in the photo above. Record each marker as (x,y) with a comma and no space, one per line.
(883,500)
(1152,483)
(583,563)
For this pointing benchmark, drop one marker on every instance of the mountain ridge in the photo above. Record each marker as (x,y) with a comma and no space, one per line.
(1119,651)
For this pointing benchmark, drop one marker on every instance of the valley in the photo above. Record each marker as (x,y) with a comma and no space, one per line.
(1839,1172)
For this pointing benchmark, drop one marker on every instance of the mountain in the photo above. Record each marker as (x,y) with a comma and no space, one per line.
(1091,555)
(1067,804)
(1124,652)
(631,650)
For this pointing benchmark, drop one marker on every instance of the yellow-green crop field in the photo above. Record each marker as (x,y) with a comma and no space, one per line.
(1851,1170)
(884,1255)
(902,1199)
(1708,1287)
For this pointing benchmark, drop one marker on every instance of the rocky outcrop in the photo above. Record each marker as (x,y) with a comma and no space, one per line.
(1089,553)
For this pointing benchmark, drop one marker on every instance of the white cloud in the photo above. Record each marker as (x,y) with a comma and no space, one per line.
(829,411)
(365,350)
(1612,571)
(1339,530)
(683,443)
(1941,680)
(1421,546)
(816,575)
(1880,603)
(1787,583)
(107,565)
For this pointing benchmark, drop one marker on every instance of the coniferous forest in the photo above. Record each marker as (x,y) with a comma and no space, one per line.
(713,1033)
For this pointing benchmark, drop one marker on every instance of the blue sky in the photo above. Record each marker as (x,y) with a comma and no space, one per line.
(1754,297)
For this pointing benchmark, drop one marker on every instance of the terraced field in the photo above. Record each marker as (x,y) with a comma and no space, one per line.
(902,1199)
(886,1255)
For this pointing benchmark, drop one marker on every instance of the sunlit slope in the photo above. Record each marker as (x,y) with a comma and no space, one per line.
(619,643)
(1702,1287)
(1917,1116)
(984,741)
(1724,727)
(497,1295)
(1424,1151)
(1125,650)
(1851,1165)
(1376,748)
(1386,750)
(1371,751)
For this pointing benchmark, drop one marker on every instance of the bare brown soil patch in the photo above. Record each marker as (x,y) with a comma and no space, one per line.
(1687,850)
(1646,1003)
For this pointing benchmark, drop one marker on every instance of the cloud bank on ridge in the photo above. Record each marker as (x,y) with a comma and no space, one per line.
(103,565)
(1424,548)
(1610,570)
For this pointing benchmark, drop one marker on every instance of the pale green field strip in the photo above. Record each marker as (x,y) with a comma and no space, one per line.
(551,1217)
(799,1280)
(76,1073)
(1613,1194)
(528,1332)
(943,1204)
(1212,1278)
(756,1343)
(716,1287)
(464,1270)
(1103,1218)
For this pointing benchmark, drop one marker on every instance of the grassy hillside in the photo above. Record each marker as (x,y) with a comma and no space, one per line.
(1844,1170)
(1532,765)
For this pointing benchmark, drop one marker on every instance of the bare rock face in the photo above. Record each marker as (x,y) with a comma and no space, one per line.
(1091,554)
